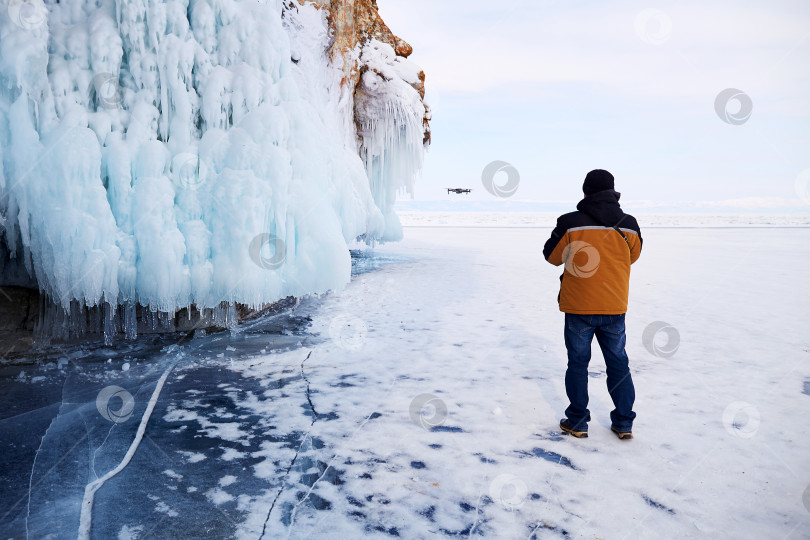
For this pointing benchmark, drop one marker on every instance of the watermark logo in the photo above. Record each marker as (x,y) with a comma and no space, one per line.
(741,419)
(109,398)
(508,490)
(27,14)
(190,170)
(661,339)
(806,498)
(268,251)
(581,259)
(653,26)
(505,190)
(723,106)
(348,331)
(803,186)
(104,90)
(427,411)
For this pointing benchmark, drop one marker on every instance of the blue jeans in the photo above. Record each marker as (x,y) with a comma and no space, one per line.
(609,330)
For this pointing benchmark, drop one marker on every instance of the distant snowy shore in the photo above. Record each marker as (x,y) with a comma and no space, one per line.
(547,219)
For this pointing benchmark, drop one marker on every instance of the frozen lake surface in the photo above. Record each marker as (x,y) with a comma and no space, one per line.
(423,401)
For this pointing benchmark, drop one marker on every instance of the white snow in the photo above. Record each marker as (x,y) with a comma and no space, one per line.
(440,418)
(130,533)
(171,474)
(231,454)
(193,457)
(227,480)
(412,218)
(172,153)
(218,496)
(164,508)
(470,317)
(390,115)
(229,431)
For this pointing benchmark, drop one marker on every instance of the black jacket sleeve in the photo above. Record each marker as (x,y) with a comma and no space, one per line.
(556,236)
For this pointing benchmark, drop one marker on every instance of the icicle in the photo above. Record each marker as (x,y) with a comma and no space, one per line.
(130,321)
(157,131)
(109,323)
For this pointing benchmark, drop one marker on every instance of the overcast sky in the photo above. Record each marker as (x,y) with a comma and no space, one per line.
(559,88)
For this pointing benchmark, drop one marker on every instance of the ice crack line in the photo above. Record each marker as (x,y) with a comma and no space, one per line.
(85,521)
(334,457)
(309,395)
(329,465)
(297,452)
(36,455)
(477,514)
(33,466)
(283,484)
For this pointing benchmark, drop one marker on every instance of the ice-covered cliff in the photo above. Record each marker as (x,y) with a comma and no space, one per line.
(168,156)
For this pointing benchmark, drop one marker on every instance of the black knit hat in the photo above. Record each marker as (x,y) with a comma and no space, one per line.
(597,180)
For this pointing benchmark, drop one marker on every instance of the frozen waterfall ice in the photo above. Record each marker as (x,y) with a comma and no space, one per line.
(176,153)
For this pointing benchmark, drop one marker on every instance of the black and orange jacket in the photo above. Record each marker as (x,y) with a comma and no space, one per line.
(597,259)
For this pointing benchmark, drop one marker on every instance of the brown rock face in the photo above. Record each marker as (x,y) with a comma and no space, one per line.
(354,22)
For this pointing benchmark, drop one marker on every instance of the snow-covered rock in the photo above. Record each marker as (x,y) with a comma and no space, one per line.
(178,153)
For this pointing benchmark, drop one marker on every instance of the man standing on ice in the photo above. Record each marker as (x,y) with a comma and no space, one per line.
(597,244)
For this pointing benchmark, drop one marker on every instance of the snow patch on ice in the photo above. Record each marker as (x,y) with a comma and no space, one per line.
(192,457)
(164,508)
(171,474)
(226,481)
(230,454)
(228,431)
(218,496)
(130,533)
